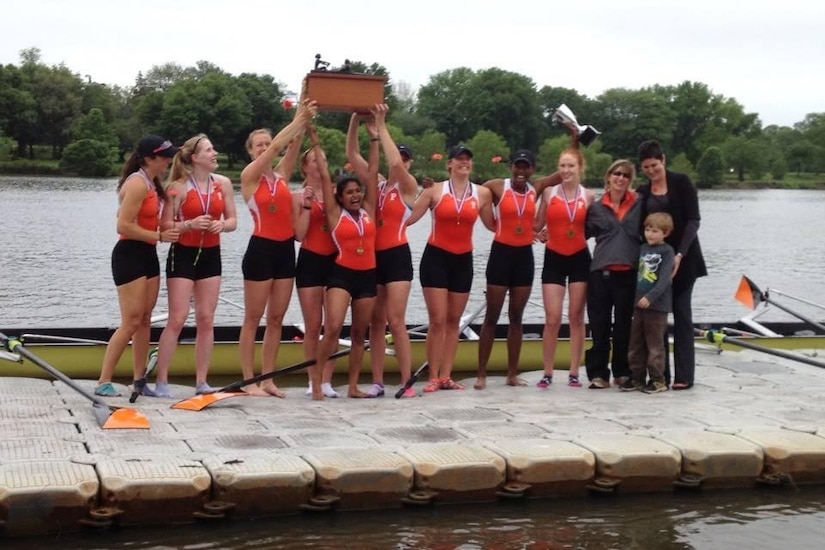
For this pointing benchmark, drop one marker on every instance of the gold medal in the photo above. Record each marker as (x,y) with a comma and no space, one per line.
(519,230)
(272,207)
(359,250)
(571,233)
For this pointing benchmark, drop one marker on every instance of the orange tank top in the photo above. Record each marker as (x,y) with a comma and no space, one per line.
(271,209)
(453,219)
(148,215)
(565,221)
(355,239)
(318,238)
(197,204)
(515,213)
(392,213)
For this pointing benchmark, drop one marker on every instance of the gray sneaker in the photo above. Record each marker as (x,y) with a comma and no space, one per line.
(655,387)
(630,385)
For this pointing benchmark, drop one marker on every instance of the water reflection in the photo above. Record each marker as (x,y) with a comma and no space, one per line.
(715,520)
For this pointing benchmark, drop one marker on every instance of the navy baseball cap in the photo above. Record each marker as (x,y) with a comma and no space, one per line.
(458,150)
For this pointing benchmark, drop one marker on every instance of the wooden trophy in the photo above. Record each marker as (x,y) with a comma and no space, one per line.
(343,90)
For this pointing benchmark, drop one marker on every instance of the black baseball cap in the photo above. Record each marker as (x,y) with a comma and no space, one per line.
(405,151)
(459,149)
(523,155)
(156,146)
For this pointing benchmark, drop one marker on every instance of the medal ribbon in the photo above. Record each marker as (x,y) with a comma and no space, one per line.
(571,212)
(204,205)
(459,204)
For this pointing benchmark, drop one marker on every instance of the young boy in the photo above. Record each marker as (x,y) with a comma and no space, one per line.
(653,302)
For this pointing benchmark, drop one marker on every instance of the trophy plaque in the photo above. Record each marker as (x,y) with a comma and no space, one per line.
(343,90)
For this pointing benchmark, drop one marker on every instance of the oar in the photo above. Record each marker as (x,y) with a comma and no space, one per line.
(139,384)
(718,337)
(107,416)
(200,402)
(412,380)
(748,293)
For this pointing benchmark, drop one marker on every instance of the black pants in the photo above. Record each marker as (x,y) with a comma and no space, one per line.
(610,297)
(684,356)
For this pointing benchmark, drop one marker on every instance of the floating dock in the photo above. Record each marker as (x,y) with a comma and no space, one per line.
(751,420)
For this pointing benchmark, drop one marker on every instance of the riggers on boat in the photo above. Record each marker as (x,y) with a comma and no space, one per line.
(78,352)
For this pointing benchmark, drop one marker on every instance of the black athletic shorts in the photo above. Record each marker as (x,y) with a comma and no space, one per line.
(267,259)
(360,283)
(192,262)
(394,264)
(134,259)
(510,266)
(313,269)
(559,269)
(442,269)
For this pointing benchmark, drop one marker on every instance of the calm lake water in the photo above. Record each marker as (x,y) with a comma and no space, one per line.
(55,271)
(58,235)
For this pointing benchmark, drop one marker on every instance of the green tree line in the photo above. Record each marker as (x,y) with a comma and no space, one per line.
(89,127)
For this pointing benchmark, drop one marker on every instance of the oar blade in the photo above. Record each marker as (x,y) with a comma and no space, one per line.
(200,402)
(120,419)
(748,293)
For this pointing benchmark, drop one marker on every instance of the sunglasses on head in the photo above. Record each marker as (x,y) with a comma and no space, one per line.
(162,147)
(620,173)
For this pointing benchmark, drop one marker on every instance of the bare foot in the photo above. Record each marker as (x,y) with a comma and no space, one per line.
(357,394)
(317,396)
(515,381)
(272,389)
(481,383)
(255,391)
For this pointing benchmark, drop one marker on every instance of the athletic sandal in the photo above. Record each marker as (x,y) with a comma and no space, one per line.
(433,385)
(376,390)
(106,390)
(449,384)
(545,381)
(409,392)
(162,390)
(573,381)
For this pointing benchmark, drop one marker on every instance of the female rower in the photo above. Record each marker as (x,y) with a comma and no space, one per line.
(350,212)
(135,265)
(510,266)
(566,262)
(446,270)
(202,207)
(316,258)
(392,250)
(269,262)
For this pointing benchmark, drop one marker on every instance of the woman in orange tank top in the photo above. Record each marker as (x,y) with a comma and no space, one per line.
(393,257)
(566,262)
(446,269)
(269,262)
(135,264)
(350,213)
(202,207)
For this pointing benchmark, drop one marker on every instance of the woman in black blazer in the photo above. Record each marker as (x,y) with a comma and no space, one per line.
(675,194)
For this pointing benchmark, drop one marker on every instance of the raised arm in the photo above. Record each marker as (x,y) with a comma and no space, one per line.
(542,183)
(331,207)
(397,169)
(359,164)
(286,166)
(251,174)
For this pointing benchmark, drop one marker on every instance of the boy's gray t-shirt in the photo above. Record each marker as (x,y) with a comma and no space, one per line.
(653,279)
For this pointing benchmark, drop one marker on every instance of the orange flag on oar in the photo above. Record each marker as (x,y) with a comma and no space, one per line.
(748,293)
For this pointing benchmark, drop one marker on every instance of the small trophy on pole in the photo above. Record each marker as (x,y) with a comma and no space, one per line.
(585,134)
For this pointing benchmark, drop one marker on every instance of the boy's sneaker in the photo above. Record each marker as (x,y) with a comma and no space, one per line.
(630,385)
(655,387)
(545,381)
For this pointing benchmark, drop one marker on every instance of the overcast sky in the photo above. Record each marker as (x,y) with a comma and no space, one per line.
(769,56)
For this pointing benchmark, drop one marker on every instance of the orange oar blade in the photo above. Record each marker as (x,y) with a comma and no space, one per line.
(122,419)
(747,293)
(200,402)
